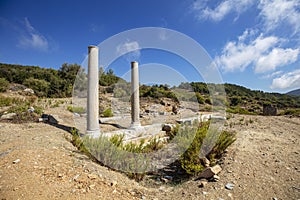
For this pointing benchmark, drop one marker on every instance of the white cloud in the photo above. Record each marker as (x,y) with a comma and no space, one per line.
(221,10)
(262,52)
(290,80)
(279,12)
(32,39)
(238,55)
(132,49)
(276,58)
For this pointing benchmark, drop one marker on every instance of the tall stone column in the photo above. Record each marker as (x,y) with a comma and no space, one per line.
(93,91)
(135,99)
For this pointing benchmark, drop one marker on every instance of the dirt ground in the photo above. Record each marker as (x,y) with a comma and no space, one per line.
(37,161)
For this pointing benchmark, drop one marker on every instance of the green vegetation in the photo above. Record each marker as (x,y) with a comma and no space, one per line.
(44,82)
(292,112)
(59,83)
(111,151)
(21,107)
(208,140)
(108,79)
(3,84)
(157,91)
(240,99)
(107,113)
(79,110)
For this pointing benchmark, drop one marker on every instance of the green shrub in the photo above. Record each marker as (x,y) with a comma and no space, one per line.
(293,112)
(214,141)
(5,101)
(107,113)
(40,87)
(79,110)
(3,84)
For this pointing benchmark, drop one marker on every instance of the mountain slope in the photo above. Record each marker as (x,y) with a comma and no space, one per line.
(294,92)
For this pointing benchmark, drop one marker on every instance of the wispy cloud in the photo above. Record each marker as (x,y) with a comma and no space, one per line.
(221,10)
(130,49)
(290,80)
(276,13)
(272,75)
(31,38)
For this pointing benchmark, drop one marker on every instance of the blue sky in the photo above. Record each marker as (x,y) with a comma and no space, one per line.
(255,43)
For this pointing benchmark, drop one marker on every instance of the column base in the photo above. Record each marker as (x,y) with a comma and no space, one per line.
(93,133)
(135,125)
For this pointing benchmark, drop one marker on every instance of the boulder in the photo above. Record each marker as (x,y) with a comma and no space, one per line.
(28,91)
(8,116)
(209,172)
(269,110)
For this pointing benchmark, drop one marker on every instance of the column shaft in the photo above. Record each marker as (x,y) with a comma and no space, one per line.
(135,99)
(93,91)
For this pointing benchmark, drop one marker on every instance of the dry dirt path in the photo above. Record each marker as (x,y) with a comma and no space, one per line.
(262,164)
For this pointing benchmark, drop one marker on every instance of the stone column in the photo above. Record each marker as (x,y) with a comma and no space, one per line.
(135,99)
(93,92)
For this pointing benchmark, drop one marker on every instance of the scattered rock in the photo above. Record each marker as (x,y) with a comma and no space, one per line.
(49,118)
(92,176)
(76,177)
(274,198)
(31,109)
(29,91)
(204,193)
(8,116)
(229,186)
(166,179)
(175,109)
(205,161)
(167,127)
(16,161)
(215,178)
(76,114)
(92,186)
(114,183)
(210,172)
(202,183)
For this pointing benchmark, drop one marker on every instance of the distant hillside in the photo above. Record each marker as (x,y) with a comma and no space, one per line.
(294,92)
(59,83)
(49,82)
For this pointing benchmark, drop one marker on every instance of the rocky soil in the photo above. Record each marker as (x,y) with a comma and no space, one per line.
(37,161)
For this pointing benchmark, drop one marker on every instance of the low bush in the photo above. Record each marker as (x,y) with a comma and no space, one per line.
(293,112)
(209,142)
(107,113)
(79,110)
(3,84)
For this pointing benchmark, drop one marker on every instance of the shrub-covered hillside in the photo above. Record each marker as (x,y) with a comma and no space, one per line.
(59,83)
